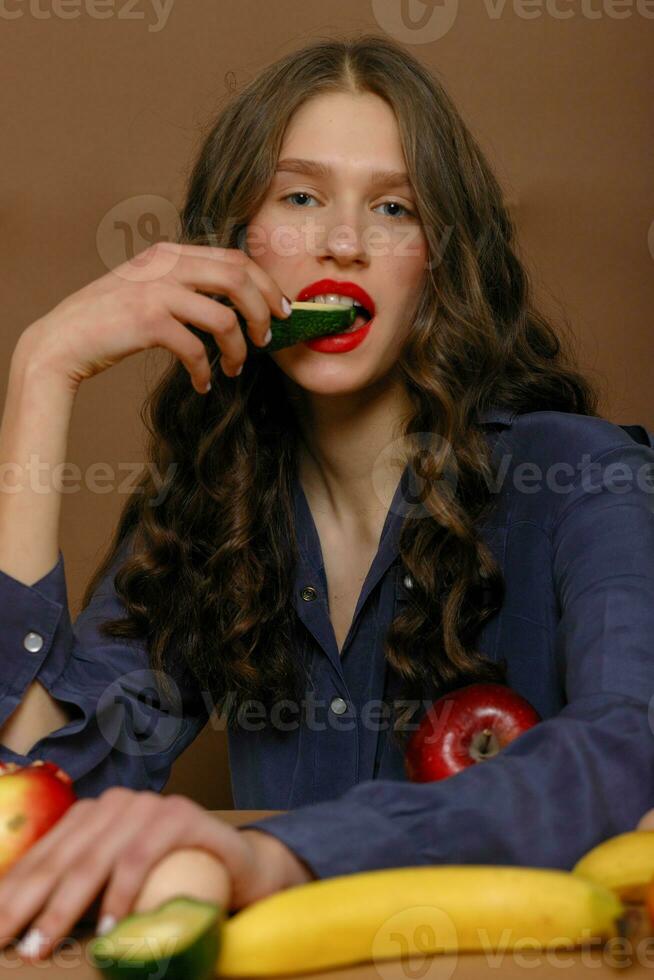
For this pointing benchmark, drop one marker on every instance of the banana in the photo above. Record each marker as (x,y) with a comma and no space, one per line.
(624,863)
(392,913)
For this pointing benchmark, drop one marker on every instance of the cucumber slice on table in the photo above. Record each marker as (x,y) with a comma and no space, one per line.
(179,940)
(308,320)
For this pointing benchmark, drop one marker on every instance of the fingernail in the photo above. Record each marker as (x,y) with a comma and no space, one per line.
(286,306)
(106,923)
(208,388)
(30,944)
(239,371)
(268,337)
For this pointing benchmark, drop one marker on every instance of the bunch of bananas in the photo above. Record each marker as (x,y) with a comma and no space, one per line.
(625,864)
(386,914)
(392,913)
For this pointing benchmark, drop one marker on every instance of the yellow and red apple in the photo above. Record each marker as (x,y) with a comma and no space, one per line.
(32,799)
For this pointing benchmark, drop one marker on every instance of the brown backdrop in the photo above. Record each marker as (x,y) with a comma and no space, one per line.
(102,104)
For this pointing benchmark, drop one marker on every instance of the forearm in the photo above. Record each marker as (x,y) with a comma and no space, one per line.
(287,869)
(33,444)
(523,807)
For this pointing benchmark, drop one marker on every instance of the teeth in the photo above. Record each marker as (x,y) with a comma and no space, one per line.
(334,298)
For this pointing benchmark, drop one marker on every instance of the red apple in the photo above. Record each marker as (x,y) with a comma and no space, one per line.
(32,798)
(464,727)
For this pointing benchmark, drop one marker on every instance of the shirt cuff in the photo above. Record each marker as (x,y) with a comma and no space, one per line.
(31,620)
(308,831)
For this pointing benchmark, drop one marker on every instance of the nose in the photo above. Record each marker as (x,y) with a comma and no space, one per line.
(343,241)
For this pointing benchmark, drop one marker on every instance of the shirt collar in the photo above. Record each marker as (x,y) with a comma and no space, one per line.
(310,567)
(402,501)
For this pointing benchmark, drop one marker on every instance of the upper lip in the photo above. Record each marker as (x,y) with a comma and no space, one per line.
(343,288)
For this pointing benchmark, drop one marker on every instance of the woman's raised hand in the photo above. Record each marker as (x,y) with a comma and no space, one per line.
(146,301)
(134,845)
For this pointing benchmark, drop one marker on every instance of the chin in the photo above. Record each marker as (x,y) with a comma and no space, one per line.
(338,377)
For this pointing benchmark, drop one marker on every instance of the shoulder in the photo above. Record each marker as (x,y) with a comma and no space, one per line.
(547,459)
(549,437)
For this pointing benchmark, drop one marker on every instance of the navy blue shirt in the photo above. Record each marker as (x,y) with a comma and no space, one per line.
(573,531)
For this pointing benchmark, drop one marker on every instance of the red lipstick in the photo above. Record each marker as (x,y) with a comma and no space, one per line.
(343,288)
(342,342)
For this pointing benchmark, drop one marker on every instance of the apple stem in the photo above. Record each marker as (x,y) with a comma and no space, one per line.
(484,745)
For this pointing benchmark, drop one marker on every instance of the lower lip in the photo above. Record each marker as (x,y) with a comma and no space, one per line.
(339,343)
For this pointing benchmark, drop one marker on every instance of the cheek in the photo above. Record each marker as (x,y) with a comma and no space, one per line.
(406,265)
(408,279)
(272,243)
(414,261)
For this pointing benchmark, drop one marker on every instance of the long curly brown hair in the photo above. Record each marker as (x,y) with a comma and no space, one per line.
(207,583)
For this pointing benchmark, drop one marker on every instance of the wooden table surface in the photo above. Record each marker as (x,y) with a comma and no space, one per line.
(633,960)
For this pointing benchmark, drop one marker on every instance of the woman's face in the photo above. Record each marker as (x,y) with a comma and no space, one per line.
(345,227)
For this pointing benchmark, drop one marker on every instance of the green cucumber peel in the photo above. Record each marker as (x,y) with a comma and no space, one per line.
(179,940)
(306,322)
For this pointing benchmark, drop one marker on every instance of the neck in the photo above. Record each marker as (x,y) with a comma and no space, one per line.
(351,454)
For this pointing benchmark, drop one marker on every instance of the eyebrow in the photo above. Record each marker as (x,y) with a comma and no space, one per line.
(297,165)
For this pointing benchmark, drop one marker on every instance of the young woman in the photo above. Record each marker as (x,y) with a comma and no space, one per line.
(346,529)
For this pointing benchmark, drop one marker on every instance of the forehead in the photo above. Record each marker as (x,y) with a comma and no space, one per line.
(353,134)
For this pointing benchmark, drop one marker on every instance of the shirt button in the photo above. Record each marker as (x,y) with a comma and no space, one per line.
(33,642)
(338,706)
(309,594)
(408,581)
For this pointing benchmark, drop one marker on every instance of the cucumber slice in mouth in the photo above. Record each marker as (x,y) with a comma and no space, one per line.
(307,320)
(179,940)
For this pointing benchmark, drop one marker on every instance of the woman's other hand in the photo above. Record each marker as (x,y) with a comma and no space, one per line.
(646,822)
(137,846)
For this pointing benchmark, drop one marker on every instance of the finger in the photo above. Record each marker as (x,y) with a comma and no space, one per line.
(10,881)
(216,252)
(28,883)
(168,332)
(267,285)
(238,284)
(215,318)
(76,822)
(185,825)
(83,880)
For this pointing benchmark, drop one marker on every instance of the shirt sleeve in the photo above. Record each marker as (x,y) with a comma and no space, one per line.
(570,781)
(125,731)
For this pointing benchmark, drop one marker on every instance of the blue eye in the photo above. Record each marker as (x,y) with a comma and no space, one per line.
(297,194)
(394,204)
